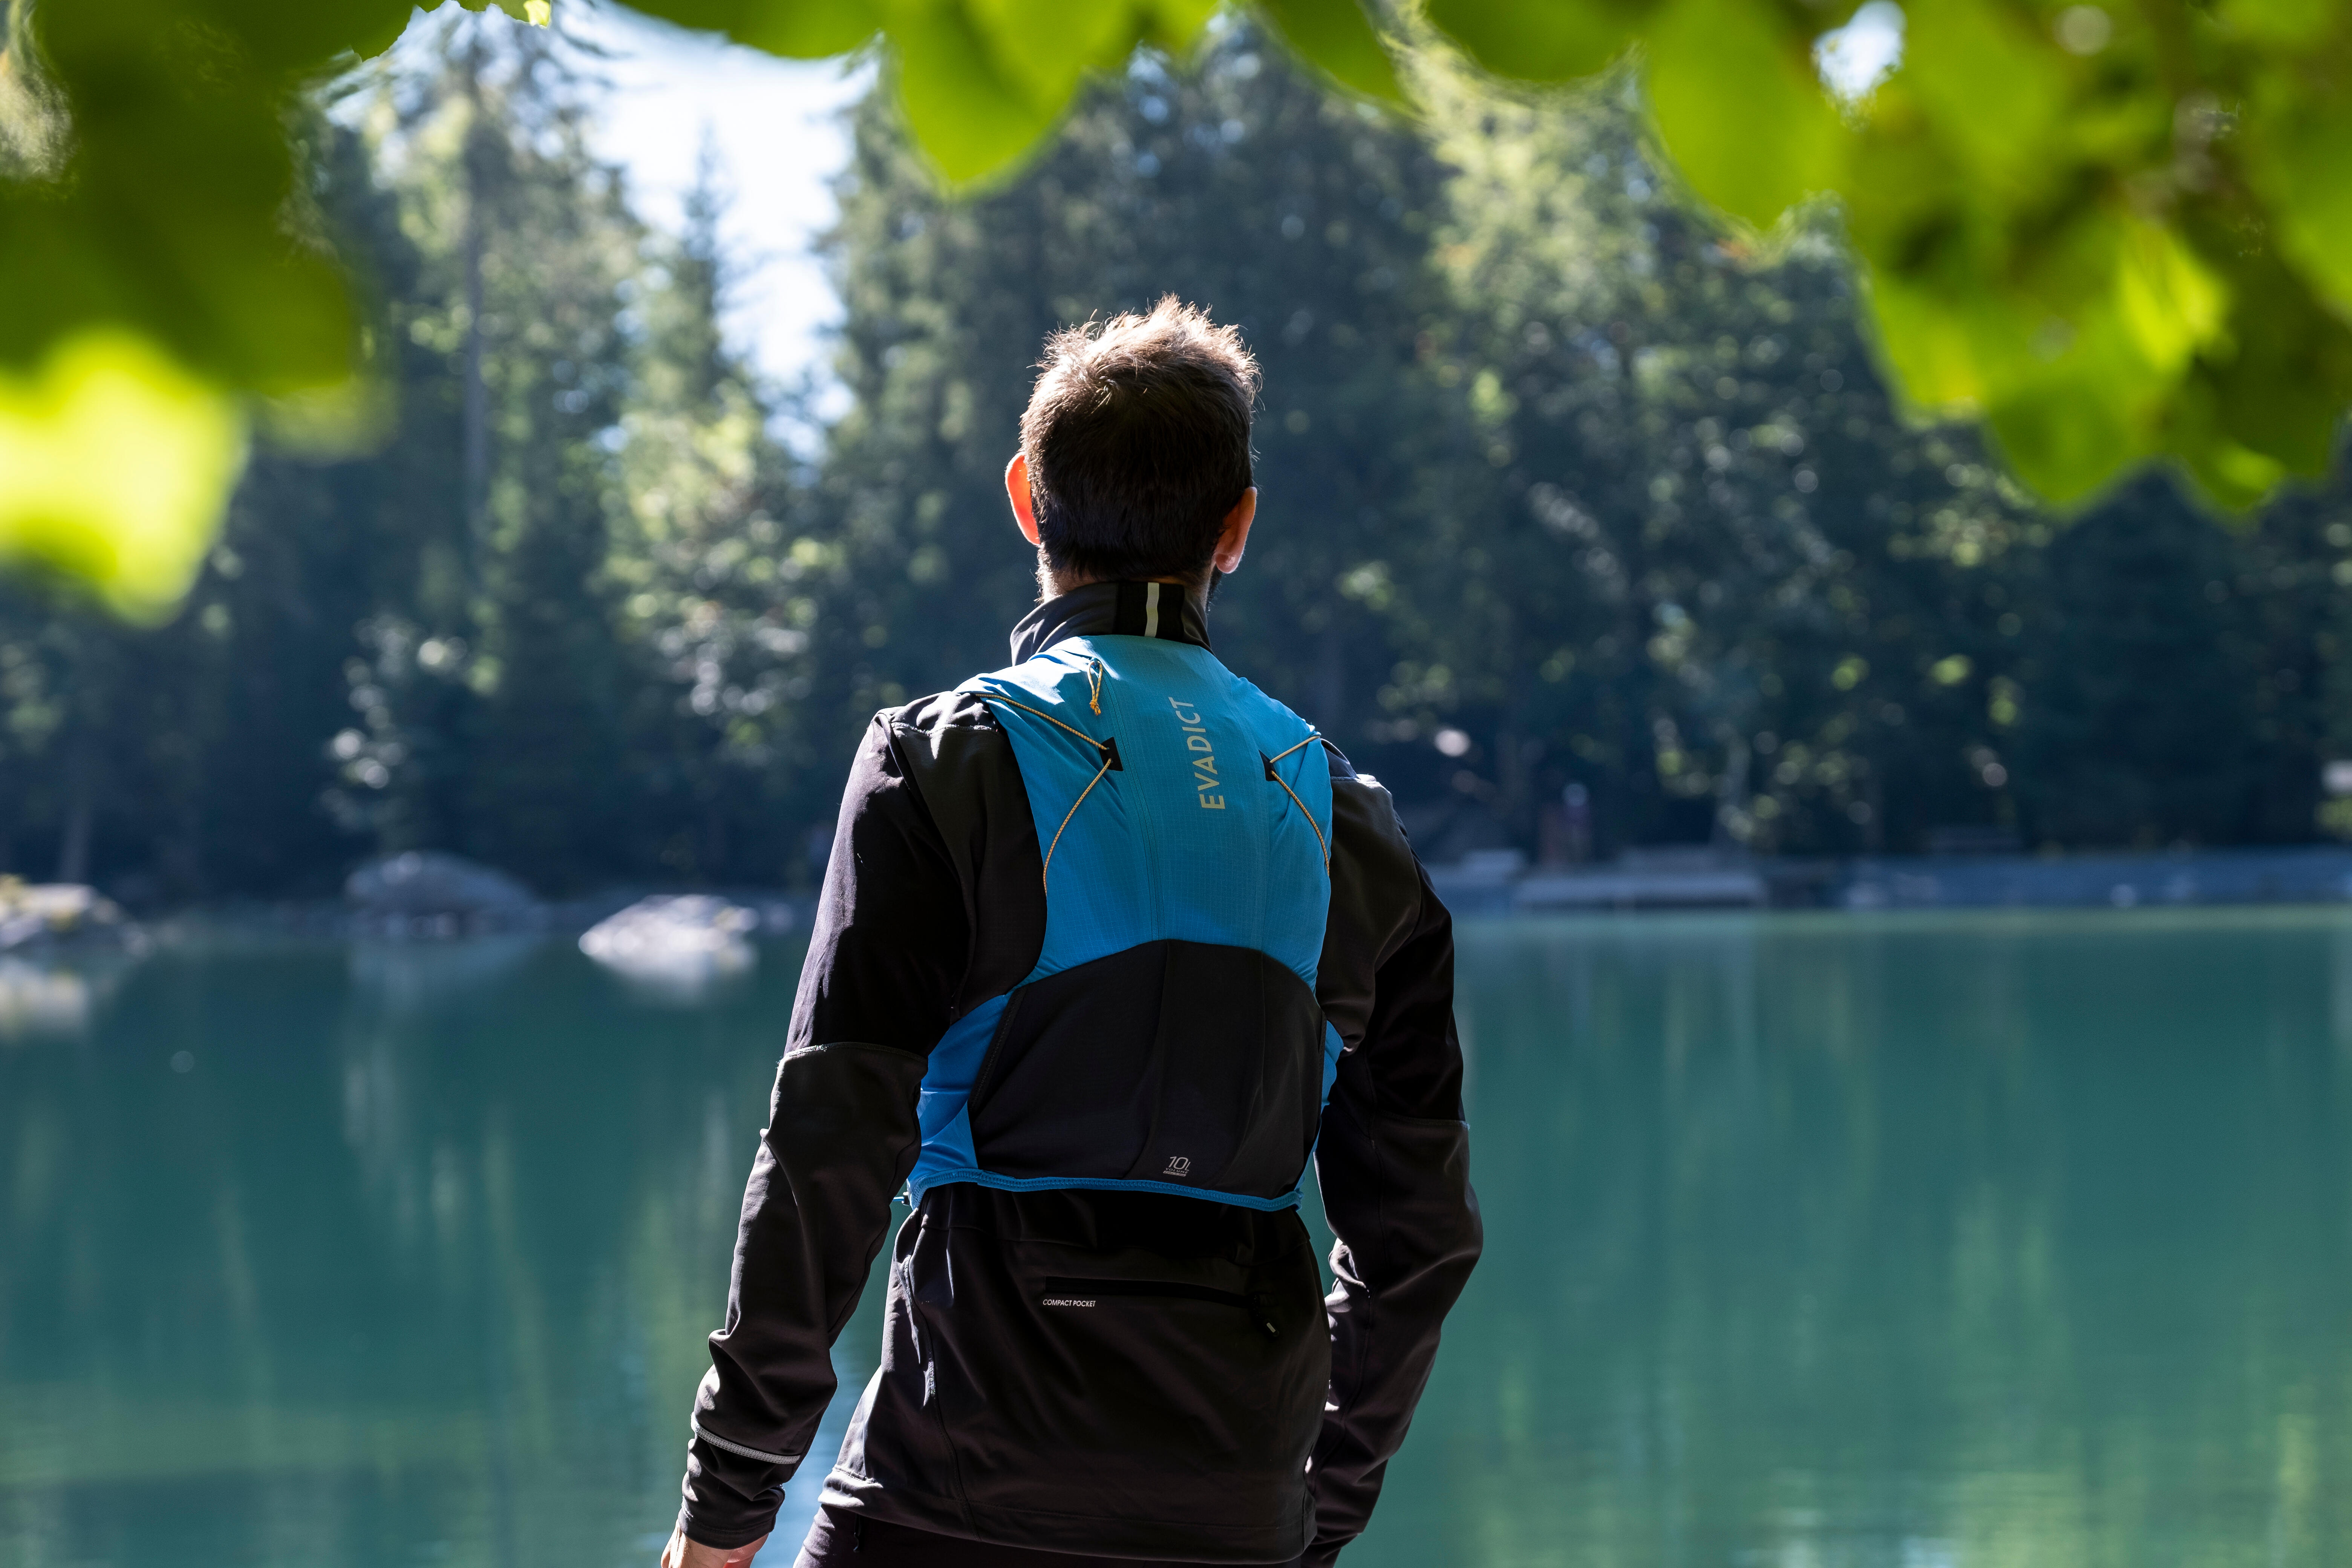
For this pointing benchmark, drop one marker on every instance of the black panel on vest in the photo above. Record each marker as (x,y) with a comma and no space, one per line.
(1174,1061)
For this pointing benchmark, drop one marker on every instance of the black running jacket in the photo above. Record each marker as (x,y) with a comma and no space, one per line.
(1227,1412)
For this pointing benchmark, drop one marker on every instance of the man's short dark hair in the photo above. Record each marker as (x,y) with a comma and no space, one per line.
(1138,437)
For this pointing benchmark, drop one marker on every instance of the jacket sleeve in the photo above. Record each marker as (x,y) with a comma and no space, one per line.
(1394,1159)
(888,948)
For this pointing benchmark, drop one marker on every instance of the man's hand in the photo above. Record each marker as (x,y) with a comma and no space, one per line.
(683,1554)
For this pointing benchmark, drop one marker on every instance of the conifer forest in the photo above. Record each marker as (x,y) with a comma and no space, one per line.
(1560,486)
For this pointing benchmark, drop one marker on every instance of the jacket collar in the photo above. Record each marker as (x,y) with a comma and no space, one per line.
(1161,610)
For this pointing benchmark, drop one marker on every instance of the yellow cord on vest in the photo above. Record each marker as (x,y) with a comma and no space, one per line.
(1046,872)
(1094,686)
(1108,757)
(1049,719)
(1320,842)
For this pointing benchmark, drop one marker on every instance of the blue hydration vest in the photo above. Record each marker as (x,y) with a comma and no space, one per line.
(1169,1039)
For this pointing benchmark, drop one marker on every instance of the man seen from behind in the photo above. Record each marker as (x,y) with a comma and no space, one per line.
(1112,947)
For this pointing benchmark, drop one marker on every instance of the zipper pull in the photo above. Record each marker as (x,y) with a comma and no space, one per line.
(1262,1308)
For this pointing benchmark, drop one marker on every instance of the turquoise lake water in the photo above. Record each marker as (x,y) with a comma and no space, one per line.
(1812,1242)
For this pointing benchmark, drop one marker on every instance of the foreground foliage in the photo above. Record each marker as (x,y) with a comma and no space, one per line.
(2112,233)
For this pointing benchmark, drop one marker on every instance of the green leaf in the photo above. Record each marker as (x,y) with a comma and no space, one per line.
(795,29)
(2064,435)
(115,467)
(278,38)
(808,29)
(971,121)
(1043,46)
(1937,352)
(2077,361)
(2274,386)
(1739,107)
(1992,92)
(2171,304)
(368,41)
(2231,473)
(1546,43)
(1175,24)
(1337,38)
(170,220)
(2300,150)
(2280,21)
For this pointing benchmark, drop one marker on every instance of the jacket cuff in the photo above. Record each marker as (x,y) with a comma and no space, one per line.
(729,1500)
(703,1534)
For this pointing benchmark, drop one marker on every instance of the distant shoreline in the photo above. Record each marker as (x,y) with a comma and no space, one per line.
(1698,879)
(781,913)
(1658,881)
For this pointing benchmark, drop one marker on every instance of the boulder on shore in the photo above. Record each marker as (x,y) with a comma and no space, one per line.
(39,916)
(433,882)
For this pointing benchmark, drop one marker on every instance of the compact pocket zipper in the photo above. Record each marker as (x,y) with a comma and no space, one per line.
(1065,1292)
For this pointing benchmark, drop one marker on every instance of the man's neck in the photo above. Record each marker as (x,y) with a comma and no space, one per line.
(1053,585)
(1146,608)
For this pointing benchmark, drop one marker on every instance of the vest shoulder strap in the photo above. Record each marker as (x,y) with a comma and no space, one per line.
(1173,800)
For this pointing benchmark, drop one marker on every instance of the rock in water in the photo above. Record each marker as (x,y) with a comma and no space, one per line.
(676,944)
(36,916)
(433,882)
(63,947)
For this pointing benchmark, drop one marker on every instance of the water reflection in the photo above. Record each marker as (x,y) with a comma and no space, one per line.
(1933,1242)
(40,999)
(1995,1240)
(415,1263)
(57,995)
(412,977)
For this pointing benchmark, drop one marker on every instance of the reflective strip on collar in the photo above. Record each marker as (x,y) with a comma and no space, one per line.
(1151,609)
(738,1448)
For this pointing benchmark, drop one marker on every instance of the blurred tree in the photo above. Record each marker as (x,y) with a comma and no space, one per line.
(713,610)
(1710,571)
(2137,729)
(2291,578)
(2184,682)
(504,665)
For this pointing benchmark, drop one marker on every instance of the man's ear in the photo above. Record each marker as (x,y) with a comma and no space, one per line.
(1233,534)
(1016,491)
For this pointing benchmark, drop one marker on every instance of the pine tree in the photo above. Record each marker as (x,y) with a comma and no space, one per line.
(716,623)
(2137,729)
(1710,571)
(489,688)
